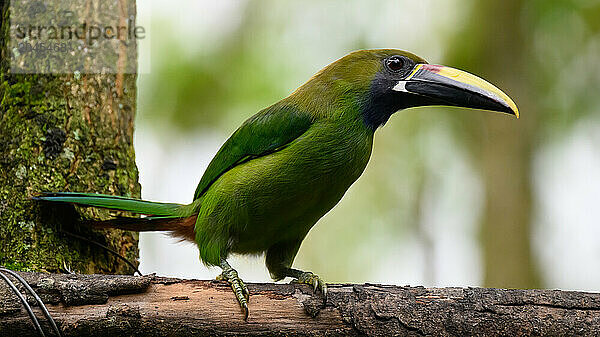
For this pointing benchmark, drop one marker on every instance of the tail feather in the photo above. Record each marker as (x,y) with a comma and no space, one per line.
(174,218)
(183,228)
(113,202)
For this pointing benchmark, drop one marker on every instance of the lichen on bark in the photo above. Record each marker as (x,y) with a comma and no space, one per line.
(63,132)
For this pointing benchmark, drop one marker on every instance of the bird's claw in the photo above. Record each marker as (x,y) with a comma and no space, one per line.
(313,280)
(239,289)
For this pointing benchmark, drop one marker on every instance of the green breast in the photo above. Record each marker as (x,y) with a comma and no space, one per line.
(280,196)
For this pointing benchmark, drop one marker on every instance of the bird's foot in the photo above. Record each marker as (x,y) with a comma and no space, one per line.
(307,277)
(239,288)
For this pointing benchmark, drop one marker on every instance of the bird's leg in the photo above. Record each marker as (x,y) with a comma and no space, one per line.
(239,288)
(279,259)
(309,278)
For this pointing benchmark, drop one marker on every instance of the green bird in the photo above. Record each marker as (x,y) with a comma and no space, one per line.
(292,162)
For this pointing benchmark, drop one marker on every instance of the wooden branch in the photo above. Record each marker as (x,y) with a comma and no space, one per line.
(103,305)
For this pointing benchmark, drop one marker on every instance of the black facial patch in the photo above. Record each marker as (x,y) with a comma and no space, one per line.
(381,101)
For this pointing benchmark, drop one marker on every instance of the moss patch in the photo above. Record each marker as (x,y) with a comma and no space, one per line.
(57,133)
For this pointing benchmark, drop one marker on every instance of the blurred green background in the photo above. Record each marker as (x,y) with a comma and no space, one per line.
(451,197)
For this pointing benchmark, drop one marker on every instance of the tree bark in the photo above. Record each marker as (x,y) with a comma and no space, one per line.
(100,305)
(64,132)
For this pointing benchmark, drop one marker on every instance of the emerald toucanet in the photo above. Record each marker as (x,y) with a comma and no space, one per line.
(290,163)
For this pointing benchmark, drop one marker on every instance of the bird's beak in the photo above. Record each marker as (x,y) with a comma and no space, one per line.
(440,85)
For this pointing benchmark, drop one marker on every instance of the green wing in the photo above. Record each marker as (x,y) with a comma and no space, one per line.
(268,131)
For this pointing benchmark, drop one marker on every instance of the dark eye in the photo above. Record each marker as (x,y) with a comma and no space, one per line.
(395,63)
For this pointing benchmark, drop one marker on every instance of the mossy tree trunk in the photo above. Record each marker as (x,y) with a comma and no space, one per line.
(63,132)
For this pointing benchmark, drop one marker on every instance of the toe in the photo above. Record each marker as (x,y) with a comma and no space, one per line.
(245,291)
(245,310)
(323,287)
